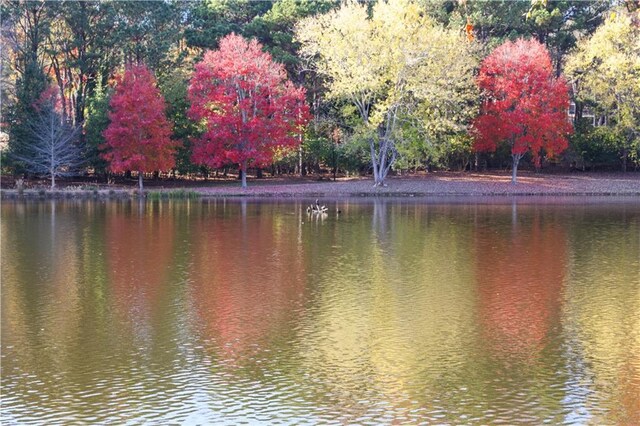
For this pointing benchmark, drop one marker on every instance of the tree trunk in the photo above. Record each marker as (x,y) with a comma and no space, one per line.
(380,172)
(378,180)
(243,171)
(140,180)
(335,163)
(53,180)
(382,161)
(514,168)
(625,156)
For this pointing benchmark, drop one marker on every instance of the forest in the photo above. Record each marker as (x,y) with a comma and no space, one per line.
(189,89)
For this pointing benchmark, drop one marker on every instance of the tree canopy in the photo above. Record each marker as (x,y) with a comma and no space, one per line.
(248,107)
(605,72)
(391,85)
(138,135)
(397,67)
(524,105)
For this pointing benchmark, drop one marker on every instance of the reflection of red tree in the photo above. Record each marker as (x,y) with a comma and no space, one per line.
(519,276)
(630,378)
(140,243)
(249,279)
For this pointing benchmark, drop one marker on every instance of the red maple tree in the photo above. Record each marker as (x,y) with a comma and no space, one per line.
(139,135)
(248,106)
(525,105)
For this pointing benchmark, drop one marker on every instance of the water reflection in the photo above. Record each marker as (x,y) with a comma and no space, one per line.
(139,240)
(603,314)
(392,311)
(381,329)
(249,277)
(520,272)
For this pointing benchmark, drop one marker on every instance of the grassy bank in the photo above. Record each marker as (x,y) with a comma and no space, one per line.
(113,193)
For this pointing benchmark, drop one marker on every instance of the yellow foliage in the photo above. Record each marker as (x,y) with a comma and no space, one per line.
(605,69)
(391,62)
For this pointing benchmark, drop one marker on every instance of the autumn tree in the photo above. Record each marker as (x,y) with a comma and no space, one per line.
(246,104)
(138,135)
(398,68)
(525,105)
(604,73)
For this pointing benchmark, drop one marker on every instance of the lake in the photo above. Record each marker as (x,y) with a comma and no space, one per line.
(252,311)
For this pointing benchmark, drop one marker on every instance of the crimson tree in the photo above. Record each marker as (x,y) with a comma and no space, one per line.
(248,107)
(138,136)
(525,105)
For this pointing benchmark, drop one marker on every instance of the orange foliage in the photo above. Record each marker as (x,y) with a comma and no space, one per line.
(469,30)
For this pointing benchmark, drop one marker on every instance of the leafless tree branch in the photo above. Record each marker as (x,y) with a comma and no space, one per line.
(52,150)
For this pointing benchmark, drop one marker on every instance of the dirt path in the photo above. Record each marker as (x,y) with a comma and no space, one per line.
(444,184)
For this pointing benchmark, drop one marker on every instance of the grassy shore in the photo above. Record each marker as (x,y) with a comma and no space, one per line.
(432,184)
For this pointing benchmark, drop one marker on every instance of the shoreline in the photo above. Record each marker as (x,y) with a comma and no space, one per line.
(7,195)
(438,185)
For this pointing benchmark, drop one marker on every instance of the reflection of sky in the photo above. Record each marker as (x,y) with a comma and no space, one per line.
(578,385)
(207,393)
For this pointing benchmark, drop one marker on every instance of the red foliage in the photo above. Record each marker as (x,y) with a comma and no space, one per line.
(525,104)
(248,106)
(139,135)
(49,97)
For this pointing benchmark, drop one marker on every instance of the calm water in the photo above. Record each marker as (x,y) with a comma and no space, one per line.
(392,311)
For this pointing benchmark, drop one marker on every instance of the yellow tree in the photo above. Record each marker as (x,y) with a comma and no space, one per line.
(605,71)
(397,67)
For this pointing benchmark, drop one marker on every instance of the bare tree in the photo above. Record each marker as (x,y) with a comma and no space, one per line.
(52,149)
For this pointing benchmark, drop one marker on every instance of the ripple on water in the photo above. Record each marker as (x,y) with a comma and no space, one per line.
(407,313)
